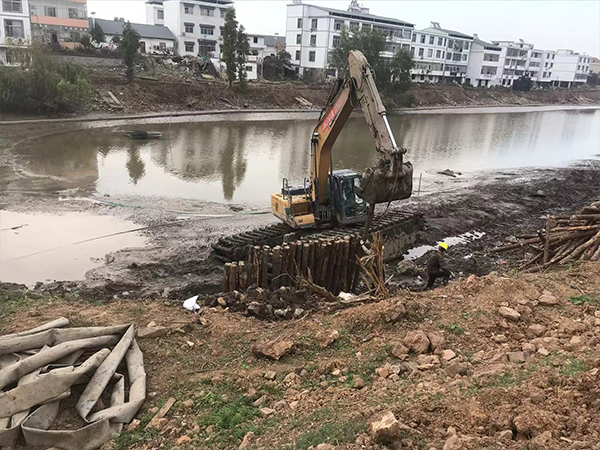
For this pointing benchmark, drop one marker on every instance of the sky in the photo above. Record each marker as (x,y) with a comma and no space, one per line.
(549,25)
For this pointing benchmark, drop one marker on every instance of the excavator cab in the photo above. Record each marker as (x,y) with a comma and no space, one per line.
(348,206)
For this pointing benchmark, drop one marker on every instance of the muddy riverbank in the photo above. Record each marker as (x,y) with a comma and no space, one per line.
(178,229)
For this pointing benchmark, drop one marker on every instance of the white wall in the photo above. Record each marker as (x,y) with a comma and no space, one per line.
(152,14)
(23,17)
(150,44)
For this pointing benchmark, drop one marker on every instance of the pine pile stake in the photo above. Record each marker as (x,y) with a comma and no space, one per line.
(565,239)
(373,272)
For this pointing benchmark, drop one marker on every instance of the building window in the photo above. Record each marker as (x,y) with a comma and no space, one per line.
(440,41)
(420,53)
(414,37)
(311,56)
(73,13)
(162,46)
(189,28)
(12,6)
(405,47)
(354,26)
(431,40)
(406,34)
(429,53)
(338,24)
(297,55)
(188,9)
(14,28)
(412,51)
(448,55)
(248,68)
(422,39)
(313,40)
(298,39)
(255,39)
(75,36)
(438,54)
(50,11)
(299,23)
(207,30)
(464,56)
(314,24)
(336,41)
(189,47)
(160,14)
(207,12)
(222,13)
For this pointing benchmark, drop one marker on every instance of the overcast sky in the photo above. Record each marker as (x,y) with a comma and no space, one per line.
(550,25)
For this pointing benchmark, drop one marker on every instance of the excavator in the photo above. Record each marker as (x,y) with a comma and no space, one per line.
(344,196)
(340,202)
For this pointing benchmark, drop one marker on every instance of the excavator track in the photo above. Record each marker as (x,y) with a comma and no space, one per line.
(398,228)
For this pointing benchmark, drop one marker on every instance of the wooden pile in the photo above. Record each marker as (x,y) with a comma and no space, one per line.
(328,263)
(565,239)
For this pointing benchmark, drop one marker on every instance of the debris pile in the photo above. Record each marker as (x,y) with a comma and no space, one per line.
(565,239)
(42,366)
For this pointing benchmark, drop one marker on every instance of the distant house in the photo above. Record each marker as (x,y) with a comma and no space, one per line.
(155,39)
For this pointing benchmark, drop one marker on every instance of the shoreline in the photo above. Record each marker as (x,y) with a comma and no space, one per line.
(467,109)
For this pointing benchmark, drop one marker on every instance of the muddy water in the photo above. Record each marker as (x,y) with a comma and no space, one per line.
(246,161)
(42,247)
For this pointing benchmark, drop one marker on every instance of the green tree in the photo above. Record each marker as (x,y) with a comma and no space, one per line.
(400,67)
(274,66)
(86,41)
(130,44)
(242,49)
(97,34)
(592,79)
(369,41)
(523,83)
(228,49)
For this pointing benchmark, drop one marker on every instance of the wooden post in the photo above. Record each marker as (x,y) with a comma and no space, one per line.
(325,274)
(332,266)
(319,248)
(233,277)
(311,259)
(242,276)
(264,269)
(285,264)
(547,241)
(275,283)
(351,263)
(226,272)
(344,268)
(304,261)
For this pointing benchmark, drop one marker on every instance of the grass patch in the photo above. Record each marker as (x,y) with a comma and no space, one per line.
(128,439)
(454,329)
(581,299)
(10,305)
(335,433)
(572,367)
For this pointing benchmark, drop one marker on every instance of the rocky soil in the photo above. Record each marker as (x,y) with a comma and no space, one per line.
(500,361)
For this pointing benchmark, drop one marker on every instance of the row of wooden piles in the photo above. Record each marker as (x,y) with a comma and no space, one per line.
(329,263)
(565,239)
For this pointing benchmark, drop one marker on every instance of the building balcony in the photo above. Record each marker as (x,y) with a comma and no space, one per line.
(487,75)
(60,21)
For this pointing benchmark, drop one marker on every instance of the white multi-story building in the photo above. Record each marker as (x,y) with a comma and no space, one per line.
(313,31)
(59,21)
(196,24)
(154,39)
(485,63)
(15,28)
(155,12)
(441,55)
(570,69)
(546,68)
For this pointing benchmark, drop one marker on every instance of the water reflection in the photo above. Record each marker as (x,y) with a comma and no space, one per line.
(245,161)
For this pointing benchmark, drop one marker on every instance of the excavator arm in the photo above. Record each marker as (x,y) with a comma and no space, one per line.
(391,178)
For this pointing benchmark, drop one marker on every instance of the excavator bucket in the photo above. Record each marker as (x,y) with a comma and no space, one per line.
(386,182)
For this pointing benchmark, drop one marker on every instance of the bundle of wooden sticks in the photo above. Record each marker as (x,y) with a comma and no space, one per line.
(565,239)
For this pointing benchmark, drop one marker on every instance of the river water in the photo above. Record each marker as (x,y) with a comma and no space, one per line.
(245,161)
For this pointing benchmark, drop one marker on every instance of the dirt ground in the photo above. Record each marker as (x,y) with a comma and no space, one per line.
(528,383)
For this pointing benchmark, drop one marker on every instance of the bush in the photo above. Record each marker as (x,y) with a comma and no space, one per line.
(522,83)
(43,85)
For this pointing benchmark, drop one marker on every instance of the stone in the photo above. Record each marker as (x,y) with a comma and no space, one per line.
(569,327)
(509,313)
(151,332)
(528,347)
(457,368)
(385,430)
(576,342)
(270,375)
(471,279)
(298,313)
(272,349)
(499,338)
(266,411)
(518,357)
(359,383)
(547,299)
(543,439)
(184,440)
(407,267)
(536,330)
(259,401)
(453,443)
(336,372)
(436,340)
(428,360)
(542,351)
(133,425)
(324,446)
(292,379)
(188,403)
(448,355)
(383,372)
(222,302)
(400,351)
(505,435)
(327,337)
(248,440)
(294,405)
(417,341)
(152,324)
(254,309)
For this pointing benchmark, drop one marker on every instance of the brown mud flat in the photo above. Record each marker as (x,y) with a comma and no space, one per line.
(527,382)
